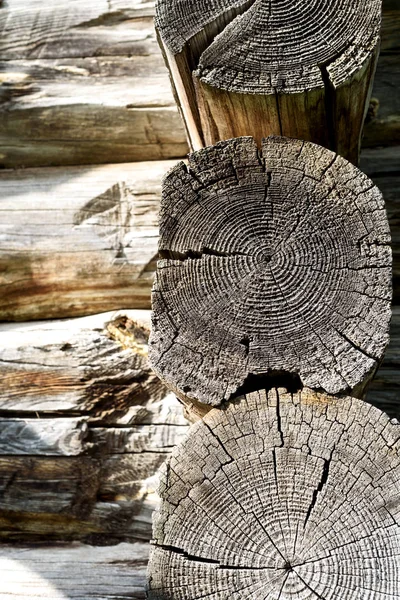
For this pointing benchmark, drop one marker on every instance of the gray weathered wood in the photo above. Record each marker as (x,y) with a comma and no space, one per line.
(74,571)
(104,498)
(303,71)
(96,366)
(78,240)
(272,266)
(41,122)
(46,437)
(84,427)
(281,496)
(37,203)
(83,83)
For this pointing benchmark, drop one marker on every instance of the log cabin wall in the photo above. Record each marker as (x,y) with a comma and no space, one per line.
(81,86)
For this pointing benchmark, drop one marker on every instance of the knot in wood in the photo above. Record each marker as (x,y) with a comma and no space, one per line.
(288,251)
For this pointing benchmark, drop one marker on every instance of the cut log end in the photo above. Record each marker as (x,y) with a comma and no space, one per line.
(244,57)
(281,496)
(273,265)
(259,67)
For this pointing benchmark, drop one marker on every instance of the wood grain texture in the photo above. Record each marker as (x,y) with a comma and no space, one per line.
(77,241)
(83,84)
(382,165)
(98,499)
(49,114)
(96,366)
(273,265)
(84,427)
(300,70)
(62,437)
(282,496)
(75,571)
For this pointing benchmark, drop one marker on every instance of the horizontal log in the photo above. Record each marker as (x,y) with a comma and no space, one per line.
(142,438)
(94,366)
(78,240)
(79,498)
(49,114)
(70,29)
(84,427)
(75,571)
(109,495)
(34,251)
(53,57)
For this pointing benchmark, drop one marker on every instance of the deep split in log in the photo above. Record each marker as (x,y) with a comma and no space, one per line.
(275,265)
(262,67)
(281,496)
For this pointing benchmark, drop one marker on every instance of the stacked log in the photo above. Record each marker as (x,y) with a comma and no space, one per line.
(84,83)
(85,426)
(279,264)
(276,273)
(78,241)
(262,68)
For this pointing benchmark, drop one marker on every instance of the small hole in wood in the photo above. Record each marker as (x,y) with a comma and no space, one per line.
(245,341)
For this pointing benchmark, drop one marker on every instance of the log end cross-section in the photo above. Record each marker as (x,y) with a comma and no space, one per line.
(262,67)
(281,497)
(271,265)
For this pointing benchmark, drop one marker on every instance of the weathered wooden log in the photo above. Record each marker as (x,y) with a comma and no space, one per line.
(84,427)
(37,203)
(94,366)
(74,571)
(281,496)
(132,115)
(273,266)
(260,68)
(83,83)
(78,240)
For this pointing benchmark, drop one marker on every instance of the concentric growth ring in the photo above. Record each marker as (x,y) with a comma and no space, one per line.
(309,35)
(279,264)
(281,497)
(262,38)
